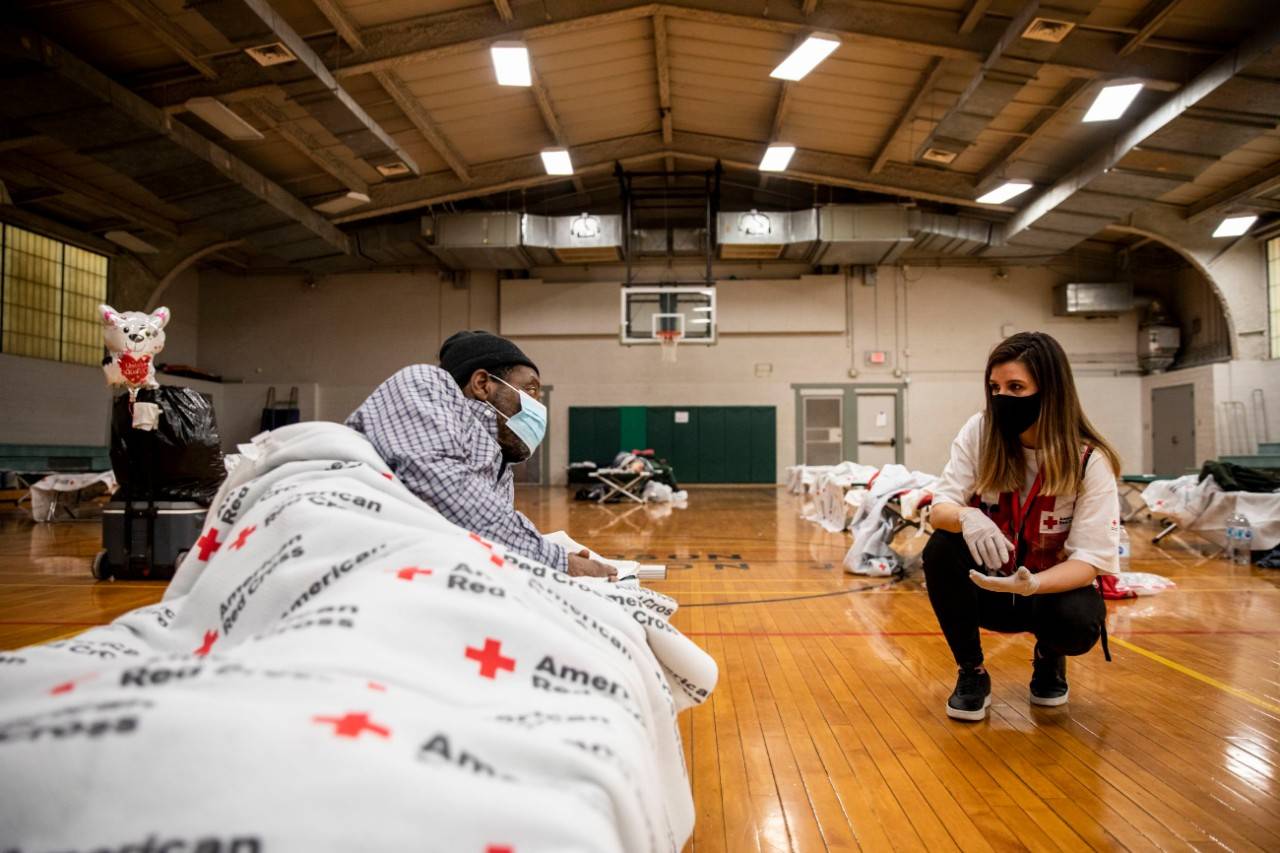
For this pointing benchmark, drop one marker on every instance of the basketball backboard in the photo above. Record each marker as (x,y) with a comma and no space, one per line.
(651,313)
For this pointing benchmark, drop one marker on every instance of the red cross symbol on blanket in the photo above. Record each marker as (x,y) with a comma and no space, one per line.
(353,725)
(1050,522)
(208,544)
(499,848)
(243,537)
(210,637)
(490,658)
(68,686)
(408,573)
(493,558)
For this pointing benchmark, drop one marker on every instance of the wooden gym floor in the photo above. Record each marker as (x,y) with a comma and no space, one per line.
(827,729)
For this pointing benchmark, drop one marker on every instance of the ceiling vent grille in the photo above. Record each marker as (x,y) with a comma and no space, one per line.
(274,53)
(1048,29)
(938,155)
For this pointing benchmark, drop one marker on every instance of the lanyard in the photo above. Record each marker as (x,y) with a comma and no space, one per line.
(1020,512)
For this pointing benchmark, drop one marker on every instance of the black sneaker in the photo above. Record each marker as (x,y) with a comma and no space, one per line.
(972,696)
(1048,679)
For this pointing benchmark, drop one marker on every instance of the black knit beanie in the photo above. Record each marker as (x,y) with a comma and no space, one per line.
(466,352)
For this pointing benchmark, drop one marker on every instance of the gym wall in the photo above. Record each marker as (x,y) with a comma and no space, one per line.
(348,333)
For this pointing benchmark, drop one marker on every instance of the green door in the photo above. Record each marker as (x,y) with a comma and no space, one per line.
(716,444)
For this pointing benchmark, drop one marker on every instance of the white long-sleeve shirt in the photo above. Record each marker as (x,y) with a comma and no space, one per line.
(1093,513)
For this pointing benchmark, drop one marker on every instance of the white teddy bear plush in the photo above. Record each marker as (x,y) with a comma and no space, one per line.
(133,340)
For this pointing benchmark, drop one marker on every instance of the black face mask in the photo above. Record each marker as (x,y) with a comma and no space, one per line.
(1015,415)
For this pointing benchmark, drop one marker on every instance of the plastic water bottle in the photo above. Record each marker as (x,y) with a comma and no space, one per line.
(1239,540)
(1124,549)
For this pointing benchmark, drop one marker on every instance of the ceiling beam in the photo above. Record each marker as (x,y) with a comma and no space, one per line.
(550,117)
(421,119)
(662,61)
(1266,36)
(308,81)
(928,79)
(158,23)
(36,50)
(27,170)
(504,9)
(1030,131)
(346,28)
(1010,65)
(314,149)
(33,221)
(503,175)
(808,7)
(1148,21)
(825,167)
(976,10)
(1236,194)
(780,112)
(917,31)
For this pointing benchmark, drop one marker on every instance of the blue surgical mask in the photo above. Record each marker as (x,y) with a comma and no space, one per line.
(530,423)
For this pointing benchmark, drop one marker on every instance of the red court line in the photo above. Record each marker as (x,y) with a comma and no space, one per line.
(1152,631)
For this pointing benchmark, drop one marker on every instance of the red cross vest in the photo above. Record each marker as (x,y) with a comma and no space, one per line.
(1037,525)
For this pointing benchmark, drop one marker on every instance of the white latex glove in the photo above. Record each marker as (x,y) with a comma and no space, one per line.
(987,545)
(1023,582)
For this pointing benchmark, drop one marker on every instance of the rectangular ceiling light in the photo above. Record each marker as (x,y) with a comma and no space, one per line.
(1112,101)
(1232,226)
(511,63)
(556,161)
(776,157)
(220,116)
(346,201)
(130,242)
(1004,192)
(806,57)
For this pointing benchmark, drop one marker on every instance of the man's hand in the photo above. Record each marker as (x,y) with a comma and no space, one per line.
(1023,582)
(580,565)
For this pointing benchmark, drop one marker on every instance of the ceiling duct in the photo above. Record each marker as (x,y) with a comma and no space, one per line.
(945,234)
(653,242)
(766,235)
(862,233)
(522,240)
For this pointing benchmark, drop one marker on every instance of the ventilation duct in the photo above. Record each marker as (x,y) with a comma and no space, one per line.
(766,235)
(523,240)
(862,234)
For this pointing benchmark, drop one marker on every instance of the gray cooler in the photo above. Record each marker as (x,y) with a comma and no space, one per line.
(147,541)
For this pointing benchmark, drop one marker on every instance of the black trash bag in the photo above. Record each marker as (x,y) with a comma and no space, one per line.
(181,460)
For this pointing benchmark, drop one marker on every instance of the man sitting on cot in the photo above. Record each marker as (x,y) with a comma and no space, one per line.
(451,434)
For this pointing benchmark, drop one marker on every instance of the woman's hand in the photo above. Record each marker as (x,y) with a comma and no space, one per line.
(987,545)
(1022,582)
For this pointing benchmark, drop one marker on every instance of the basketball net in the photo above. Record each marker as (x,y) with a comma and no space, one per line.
(668,340)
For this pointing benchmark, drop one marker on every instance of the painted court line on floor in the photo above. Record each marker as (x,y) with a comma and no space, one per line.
(1199,676)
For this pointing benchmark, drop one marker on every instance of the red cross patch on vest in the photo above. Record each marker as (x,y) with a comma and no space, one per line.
(1038,525)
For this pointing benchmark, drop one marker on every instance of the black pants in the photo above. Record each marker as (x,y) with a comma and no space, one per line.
(1065,623)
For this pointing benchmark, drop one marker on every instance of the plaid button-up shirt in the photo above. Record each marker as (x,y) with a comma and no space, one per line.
(444,447)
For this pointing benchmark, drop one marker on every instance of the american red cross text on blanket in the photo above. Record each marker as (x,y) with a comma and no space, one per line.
(341,668)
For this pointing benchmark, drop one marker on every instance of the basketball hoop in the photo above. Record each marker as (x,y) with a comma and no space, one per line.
(668,340)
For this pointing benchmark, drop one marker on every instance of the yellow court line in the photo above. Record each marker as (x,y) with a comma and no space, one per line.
(1199,676)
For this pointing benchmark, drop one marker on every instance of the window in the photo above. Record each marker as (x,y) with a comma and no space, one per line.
(1273,295)
(49,297)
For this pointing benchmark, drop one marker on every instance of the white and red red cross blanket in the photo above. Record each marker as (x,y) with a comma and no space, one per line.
(337,667)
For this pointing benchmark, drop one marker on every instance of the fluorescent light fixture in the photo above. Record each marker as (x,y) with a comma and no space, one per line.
(556,161)
(130,242)
(339,204)
(511,63)
(806,57)
(1232,226)
(1112,101)
(219,116)
(1004,192)
(776,157)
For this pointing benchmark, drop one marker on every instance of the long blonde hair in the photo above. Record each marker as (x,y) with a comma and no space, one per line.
(1063,430)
